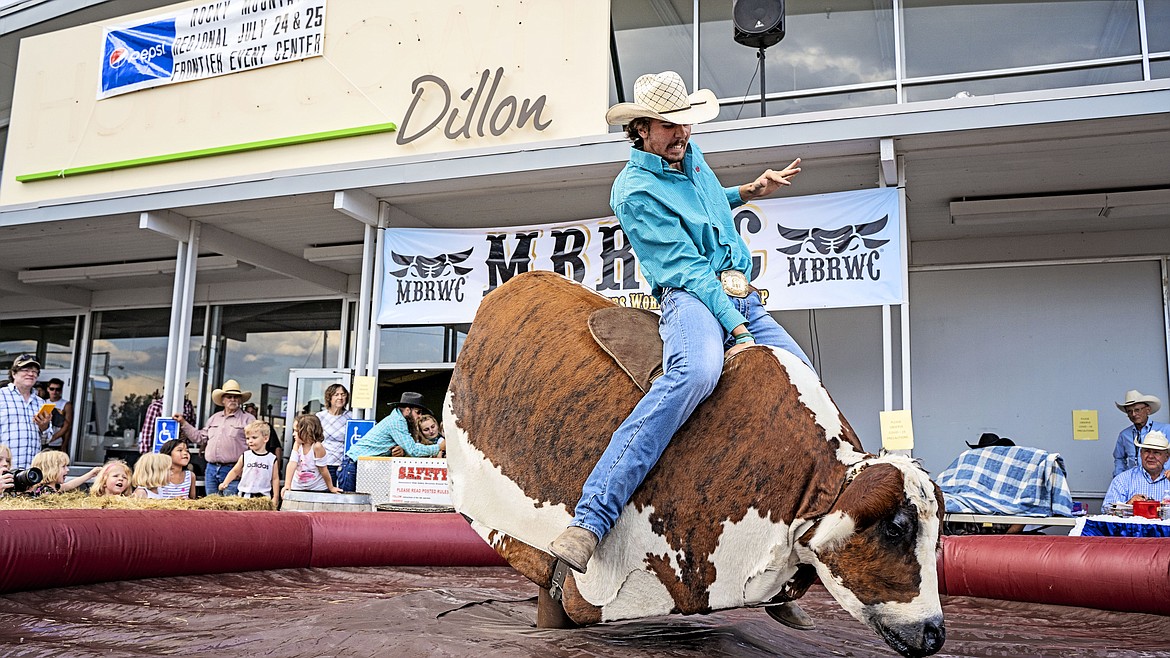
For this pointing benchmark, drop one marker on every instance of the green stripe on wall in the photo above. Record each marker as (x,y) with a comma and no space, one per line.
(208,152)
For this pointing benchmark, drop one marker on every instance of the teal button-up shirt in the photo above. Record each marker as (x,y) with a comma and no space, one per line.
(680,226)
(389,432)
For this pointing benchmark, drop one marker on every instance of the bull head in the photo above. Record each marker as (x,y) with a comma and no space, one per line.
(875,552)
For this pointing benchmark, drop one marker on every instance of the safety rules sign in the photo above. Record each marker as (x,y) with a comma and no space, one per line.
(209,40)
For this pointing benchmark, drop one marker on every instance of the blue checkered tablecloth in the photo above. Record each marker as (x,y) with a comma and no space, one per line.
(1104,525)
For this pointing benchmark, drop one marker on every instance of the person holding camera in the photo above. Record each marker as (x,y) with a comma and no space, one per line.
(24,416)
(5,473)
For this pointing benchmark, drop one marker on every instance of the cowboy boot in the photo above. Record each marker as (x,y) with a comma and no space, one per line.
(574,547)
(791,615)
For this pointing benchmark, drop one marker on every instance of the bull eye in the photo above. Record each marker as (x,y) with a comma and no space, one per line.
(900,527)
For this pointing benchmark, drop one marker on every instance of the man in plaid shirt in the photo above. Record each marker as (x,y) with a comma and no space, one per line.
(23,427)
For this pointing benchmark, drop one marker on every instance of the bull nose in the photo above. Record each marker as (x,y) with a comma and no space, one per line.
(934,633)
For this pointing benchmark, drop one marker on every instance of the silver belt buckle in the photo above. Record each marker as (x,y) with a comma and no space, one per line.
(734,283)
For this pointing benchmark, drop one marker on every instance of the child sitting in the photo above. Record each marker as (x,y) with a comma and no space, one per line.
(306,467)
(257,468)
(180,480)
(54,466)
(150,474)
(112,480)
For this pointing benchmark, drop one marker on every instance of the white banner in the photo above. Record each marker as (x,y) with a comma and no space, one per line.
(822,251)
(208,40)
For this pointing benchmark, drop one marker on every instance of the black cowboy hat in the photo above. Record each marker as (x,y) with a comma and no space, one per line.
(987,439)
(412,399)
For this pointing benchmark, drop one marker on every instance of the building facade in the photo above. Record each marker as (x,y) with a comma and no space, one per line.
(1030,141)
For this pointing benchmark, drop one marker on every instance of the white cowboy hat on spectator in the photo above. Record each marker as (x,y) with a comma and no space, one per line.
(1155,440)
(663,96)
(1136,397)
(230,387)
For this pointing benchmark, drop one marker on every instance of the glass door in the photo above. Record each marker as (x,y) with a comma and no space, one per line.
(305,395)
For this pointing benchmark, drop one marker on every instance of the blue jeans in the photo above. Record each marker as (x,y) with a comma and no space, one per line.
(346,475)
(216,473)
(692,356)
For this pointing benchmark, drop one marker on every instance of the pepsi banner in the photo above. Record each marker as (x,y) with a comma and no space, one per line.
(823,251)
(208,40)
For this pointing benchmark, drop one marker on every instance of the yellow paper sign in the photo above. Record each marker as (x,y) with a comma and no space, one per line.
(897,430)
(1085,425)
(363,391)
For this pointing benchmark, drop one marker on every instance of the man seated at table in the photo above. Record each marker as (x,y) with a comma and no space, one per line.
(1147,480)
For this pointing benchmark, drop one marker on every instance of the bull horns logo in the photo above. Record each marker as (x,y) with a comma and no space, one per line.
(431,267)
(837,241)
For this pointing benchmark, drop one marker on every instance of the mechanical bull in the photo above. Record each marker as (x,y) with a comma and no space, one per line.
(764,488)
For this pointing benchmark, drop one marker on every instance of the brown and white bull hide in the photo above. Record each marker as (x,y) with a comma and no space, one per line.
(749,498)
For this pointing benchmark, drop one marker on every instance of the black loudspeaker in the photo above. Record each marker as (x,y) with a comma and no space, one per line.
(758,23)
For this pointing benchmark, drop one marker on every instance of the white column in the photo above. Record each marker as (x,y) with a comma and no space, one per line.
(177,378)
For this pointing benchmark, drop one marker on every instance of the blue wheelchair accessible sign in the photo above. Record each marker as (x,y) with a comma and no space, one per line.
(165,429)
(356,429)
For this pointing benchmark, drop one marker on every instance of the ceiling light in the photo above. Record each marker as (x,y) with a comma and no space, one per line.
(1061,207)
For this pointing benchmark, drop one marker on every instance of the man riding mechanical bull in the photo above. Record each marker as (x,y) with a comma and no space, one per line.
(677,218)
(659,535)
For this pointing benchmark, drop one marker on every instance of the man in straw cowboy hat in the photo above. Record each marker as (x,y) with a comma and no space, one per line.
(223,440)
(1147,481)
(395,430)
(677,217)
(1139,408)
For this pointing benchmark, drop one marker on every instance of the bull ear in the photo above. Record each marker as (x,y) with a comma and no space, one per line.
(829,532)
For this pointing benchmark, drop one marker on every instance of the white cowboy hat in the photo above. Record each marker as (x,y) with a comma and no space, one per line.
(663,96)
(1136,397)
(1155,440)
(230,387)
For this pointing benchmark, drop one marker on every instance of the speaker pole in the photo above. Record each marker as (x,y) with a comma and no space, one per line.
(763,87)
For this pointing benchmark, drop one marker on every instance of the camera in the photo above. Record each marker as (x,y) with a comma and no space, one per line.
(26,479)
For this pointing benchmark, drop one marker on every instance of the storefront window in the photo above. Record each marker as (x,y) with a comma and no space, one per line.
(1057,79)
(652,36)
(943,37)
(260,343)
(127,370)
(51,339)
(826,44)
(421,343)
(815,103)
(1158,26)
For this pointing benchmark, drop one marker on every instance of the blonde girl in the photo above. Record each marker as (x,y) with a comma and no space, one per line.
(112,480)
(180,480)
(54,466)
(306,467)
(151,472)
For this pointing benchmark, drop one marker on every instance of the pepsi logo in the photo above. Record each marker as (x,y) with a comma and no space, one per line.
(119,57)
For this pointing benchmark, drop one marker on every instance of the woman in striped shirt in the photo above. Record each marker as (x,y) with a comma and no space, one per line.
(334,418)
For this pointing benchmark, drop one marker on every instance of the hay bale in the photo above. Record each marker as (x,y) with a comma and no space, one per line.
(77,500)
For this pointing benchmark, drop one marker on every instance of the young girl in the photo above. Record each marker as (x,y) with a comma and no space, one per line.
(151,472)
(306,468)
(54,466)
(112,480)
(180,480)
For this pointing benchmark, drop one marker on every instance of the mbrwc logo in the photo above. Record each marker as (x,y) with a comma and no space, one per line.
(843,253)
(430,278)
